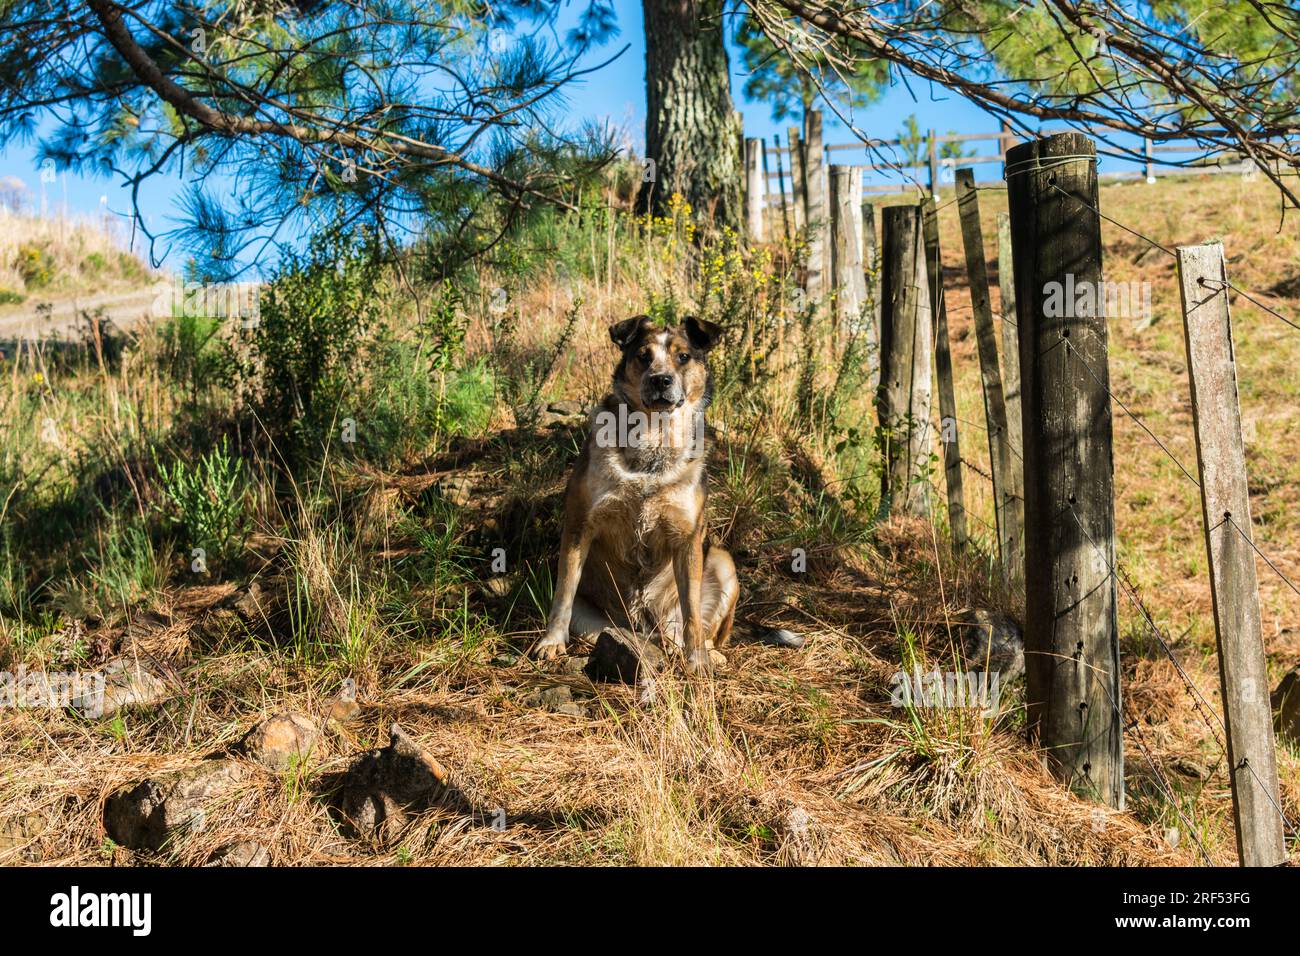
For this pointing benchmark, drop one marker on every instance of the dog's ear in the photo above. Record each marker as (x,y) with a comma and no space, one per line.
(621,333)
(702,333)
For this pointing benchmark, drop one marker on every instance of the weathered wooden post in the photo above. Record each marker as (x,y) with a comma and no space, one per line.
(1071,626)
(1007,507)
(847,277)
(872,269)
(755,189)
(1011,386)
(816,214)
(1148,165)
(1243,673)
(798,176)
(943,368)
(780,183)
(903,408)
(932,153)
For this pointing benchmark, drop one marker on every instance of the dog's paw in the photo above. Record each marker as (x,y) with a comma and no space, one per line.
(700,663)
(550,647)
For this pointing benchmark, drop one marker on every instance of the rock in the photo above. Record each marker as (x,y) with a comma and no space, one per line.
(575,666)
(498,587)
(557,698)
(458,489)
(780,637)
(505,660)
(619,655)
(566,407)
(343,709)
(21,830)
(127,683)
(250,604)
(245,853)
(383,787)
(561,413)
(1286,706)
(280,741)
(992,641)
(150,813)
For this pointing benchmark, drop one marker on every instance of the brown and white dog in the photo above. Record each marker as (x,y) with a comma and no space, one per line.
(633,551)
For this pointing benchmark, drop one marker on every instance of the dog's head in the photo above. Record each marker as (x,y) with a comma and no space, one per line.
(664,368)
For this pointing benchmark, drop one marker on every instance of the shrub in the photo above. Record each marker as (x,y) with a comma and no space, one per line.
(35,265)
(304,361)
(206,500)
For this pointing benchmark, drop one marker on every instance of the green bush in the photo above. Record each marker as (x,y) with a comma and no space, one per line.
(196,356)
(35,265)
(206,500)
(314,318)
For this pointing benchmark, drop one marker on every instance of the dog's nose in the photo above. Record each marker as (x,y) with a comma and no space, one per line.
(661,382)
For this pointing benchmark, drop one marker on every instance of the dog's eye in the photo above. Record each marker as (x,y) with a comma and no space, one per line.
(683,358)
(644,356)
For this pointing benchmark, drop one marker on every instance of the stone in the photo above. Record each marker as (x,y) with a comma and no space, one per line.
(1286,706)
(382,788)
(557,698)
(780,637)
(251,604)
(992,641)
(499,586)
(458,489)
(21,830)
(127,683)
(156,810)
(244,853)
(621,656)
(343,709)
(575,666)
(566,407)
(280,741)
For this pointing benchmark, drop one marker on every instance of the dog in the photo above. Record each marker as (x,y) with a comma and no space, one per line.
(633,551)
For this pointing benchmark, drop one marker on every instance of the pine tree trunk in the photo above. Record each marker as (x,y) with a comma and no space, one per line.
(692,131)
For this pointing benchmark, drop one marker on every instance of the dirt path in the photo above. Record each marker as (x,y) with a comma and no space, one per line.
(124,309)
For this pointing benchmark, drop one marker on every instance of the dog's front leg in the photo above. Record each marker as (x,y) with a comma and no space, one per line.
(688,568)
(574,545)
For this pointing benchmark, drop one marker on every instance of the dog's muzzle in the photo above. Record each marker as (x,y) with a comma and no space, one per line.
(662,391)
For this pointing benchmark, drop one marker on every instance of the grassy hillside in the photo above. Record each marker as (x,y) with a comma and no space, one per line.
(50,258)
(332,564)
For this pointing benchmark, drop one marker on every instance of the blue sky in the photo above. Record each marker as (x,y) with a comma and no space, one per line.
(615,93)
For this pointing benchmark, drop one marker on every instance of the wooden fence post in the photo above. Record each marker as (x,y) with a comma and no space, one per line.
(1011,390)
(1071,627)
(932,152)
(780,182)
(871,274)
(816,214)
(1009,515)
(798,176)
(755,189)
(1149,166)
(904,396)
(1243,673)
(943,368)
(847,278)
